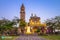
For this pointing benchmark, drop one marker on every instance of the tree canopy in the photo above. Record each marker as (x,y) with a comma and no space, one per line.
(53,22)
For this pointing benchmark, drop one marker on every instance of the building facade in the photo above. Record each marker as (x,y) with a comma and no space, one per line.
(34,20)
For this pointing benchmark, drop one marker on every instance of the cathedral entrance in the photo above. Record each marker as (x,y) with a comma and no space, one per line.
(28,30)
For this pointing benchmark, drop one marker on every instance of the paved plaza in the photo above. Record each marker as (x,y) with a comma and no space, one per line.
(30,38)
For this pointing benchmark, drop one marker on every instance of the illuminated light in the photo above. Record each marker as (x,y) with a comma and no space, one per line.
(28,30)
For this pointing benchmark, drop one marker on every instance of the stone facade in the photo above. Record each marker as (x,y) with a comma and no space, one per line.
(22,12)
(34,21)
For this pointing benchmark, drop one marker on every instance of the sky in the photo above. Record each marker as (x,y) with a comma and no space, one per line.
(44,9)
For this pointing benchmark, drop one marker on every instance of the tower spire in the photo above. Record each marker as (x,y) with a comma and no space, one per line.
(32,15)
(22,6)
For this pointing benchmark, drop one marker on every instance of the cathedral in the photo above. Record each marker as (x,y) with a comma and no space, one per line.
(33,24)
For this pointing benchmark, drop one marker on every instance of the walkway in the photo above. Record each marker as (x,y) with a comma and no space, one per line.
(30,38)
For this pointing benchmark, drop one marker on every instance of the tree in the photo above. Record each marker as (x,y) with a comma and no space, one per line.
(5,25)
(16,24)
(53,23)
(57,20)
(22,25)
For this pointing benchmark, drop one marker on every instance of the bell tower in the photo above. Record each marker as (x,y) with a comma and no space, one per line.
(22,12)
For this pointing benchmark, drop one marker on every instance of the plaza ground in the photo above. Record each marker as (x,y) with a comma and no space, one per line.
(49,37)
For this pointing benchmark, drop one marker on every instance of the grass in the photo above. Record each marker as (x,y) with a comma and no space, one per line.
(52,37)
(49,37)
(9,38)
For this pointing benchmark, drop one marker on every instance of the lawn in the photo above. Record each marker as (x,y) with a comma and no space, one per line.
(49,37)
(8,38)
(52,37)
